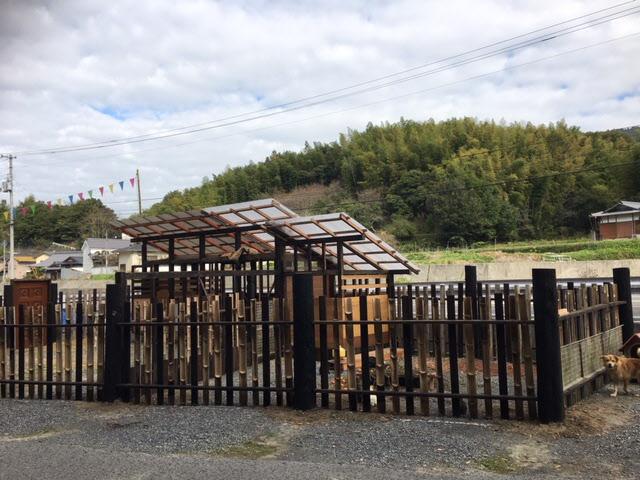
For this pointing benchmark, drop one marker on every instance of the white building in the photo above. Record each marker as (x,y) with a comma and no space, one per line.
(100,255)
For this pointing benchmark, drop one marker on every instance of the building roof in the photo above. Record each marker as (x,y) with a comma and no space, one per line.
(107,243)
(58,258)
(261,221)
(621,208)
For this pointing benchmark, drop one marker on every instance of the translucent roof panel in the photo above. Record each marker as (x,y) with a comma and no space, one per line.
(363,250)
(259,222)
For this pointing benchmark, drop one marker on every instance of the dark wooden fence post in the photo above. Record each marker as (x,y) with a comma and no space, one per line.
(303,343)
(112,355)
(622,278)
(549,364)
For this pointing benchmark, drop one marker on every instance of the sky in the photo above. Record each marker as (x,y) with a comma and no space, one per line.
(74,73)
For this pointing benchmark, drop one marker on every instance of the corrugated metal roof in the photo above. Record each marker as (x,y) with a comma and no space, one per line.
(107,243)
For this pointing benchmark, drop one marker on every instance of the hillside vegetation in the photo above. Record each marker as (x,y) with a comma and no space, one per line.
(541,250)
(459,180)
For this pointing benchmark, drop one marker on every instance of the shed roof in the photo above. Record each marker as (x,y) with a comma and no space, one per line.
(260,221)
(107,243)
(621,208)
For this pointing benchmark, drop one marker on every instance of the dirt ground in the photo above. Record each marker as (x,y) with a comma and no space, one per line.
(599,439)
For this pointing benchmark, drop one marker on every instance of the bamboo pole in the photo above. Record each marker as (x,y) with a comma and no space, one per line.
(39,349)
(288,351)
(60,333)
(379,355)
(90,349)
(254,351)
(351,353)
(217,352)
(422,354)
(67,351)
(100,343)
(395,374)
(204,350)
(470,354)
(527,351)
(242,351)
(3,340)
(29,344)
(182,352)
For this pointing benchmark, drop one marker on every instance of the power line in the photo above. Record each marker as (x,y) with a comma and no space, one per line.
(334,112)
(367,82)
(541,39)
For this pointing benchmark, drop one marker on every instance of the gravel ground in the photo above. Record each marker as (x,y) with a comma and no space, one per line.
(59,439)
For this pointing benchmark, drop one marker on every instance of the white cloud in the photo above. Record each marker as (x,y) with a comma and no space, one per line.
(157,65)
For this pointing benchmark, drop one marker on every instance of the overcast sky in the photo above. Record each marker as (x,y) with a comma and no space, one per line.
(79,72)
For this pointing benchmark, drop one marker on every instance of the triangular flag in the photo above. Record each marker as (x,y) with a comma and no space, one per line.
(121,183)
(101,191)
(23,210)
(59,201)
(33,209)
(6,215)
(132,181)
(90,192)
(49,204)
(81,196)
(15,212)
(71,199)
(111,187)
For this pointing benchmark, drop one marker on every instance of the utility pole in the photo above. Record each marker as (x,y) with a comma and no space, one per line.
(7,186)
(139,194)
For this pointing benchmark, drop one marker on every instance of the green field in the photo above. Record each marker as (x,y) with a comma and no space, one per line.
(541,250)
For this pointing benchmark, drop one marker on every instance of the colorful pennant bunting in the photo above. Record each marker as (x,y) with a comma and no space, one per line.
(6,216)
(81,196)
(132,181)
(101,191)
(121,183)
(111,187)
(71,199)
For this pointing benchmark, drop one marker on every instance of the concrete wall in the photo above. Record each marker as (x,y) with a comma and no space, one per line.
(522,270)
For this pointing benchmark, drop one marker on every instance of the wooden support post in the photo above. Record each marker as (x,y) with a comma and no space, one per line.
(340,268)
(114,315)
(622,278)
(79,332)
(304,343)
(364,354)
(407,345)
(172,260)
(237,280)
(193,358)
(471,291)
(549,363)
(159,351)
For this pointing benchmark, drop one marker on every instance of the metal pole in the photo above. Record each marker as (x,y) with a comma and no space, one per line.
(8,187)
(139,194)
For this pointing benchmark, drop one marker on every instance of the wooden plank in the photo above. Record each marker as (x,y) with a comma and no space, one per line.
(137,349)
(172,366)
(438,313)
(470,356)
(217,353)
(59,340)
(527,351)
(351,354)
(182,351)
(288,350)
(515,355)
(242,352)
(456,407)
(423,372)
(407,347)
(204,350)
(379,346)
(4,335)
(501,354)
(485,343)
(79,330)
(266,353)
(67,352)
(324,351)
(395,375)
(29,344)
(277,331)
(337,361)
(254,352)
(90,320)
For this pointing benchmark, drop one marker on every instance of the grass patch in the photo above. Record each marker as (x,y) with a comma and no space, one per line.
(251,449)
(560,250)
(502,464)
(104,276)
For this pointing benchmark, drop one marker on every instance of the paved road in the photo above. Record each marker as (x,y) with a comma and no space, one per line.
(57,439)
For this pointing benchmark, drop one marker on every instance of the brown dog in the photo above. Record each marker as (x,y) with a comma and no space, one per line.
(621,369)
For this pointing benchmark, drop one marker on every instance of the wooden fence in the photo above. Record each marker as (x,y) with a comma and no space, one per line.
(475,350)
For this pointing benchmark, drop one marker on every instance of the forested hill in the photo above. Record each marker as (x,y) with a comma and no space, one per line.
(431,181)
